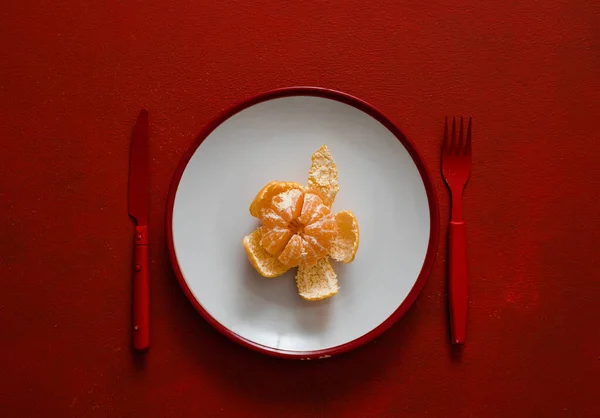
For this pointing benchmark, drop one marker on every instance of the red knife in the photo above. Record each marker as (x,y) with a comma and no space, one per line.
(139,202)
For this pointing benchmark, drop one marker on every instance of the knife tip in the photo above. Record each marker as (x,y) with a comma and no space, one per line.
(143,116)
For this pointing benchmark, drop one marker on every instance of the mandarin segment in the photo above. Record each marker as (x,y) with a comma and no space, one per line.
(272,219)
(323,175)
(293,251)
(288,204)
(312,209)
(324,229)
(275,239)
(263,262)
(263,199)
(313,250)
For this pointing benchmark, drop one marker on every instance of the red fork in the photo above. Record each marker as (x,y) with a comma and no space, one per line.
(456,167)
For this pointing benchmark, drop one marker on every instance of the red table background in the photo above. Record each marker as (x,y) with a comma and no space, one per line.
(73,76)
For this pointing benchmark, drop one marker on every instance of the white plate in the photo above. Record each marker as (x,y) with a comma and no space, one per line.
(272,137)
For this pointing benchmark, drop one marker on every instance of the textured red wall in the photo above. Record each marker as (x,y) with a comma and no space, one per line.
(73,76)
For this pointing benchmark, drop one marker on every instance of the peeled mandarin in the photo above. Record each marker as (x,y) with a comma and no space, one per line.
(303,217)
(298,229)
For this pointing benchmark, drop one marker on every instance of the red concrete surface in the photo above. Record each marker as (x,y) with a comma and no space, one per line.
(73,76)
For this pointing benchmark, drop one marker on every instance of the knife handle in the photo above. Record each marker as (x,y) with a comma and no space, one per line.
(457,272)
(141,303)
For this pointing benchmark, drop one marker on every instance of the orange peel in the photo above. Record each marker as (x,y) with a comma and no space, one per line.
(317,282)
(323,175)
(345,244)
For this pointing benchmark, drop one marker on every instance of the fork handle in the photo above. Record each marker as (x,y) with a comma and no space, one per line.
(457,271)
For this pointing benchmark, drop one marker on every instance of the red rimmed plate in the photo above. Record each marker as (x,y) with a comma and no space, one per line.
(383,180)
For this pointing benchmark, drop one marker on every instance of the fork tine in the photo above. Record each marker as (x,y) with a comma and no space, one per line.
(460,146)
(468,145)
(445,144)
(453,140)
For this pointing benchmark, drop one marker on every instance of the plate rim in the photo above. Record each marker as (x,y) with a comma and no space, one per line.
(417,158)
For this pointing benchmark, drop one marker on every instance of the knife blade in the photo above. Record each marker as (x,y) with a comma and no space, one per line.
(139,202)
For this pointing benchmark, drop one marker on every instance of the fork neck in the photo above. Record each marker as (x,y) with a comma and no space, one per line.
(456,208)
